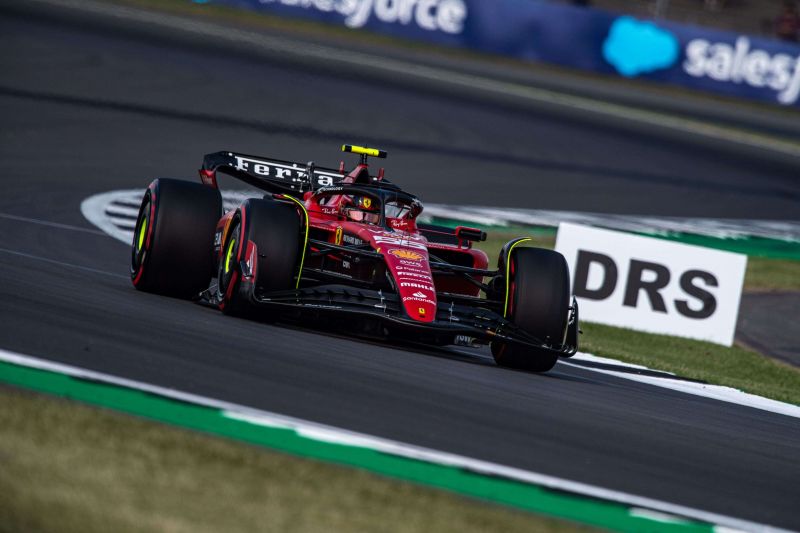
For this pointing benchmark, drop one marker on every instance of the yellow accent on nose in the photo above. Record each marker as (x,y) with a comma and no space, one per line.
(142,233)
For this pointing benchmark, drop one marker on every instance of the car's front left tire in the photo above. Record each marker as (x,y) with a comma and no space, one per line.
(172,250)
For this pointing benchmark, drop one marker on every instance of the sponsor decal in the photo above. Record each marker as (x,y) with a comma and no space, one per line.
(635,47)
(329,190)
(412,266)
(417,275)
(293,173)
(416,299)
(350,239)
(464,340)
(421,311)
(406,254)
(415,285)
(366,203)
(420,294)
(653,285)
(447,16)
(740,63)
(338,236)
(408,242)
(324,179)
(398,223)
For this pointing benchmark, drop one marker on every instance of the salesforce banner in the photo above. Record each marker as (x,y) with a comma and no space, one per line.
(583,38)
(700,58)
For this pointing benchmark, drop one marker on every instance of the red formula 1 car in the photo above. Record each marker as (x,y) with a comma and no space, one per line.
(326,244)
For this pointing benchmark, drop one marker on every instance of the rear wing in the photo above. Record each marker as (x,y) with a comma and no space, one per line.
(271,175)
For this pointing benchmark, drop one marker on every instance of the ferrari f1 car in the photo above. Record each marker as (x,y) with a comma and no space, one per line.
(328,244)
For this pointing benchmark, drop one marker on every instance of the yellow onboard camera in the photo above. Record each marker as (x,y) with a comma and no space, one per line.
(363,151)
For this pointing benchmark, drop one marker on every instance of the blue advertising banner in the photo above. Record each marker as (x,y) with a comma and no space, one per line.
(577,37)
(717,61)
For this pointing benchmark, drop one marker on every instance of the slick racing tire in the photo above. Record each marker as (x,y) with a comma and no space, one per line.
(173,250)
(261,254)
(538,302)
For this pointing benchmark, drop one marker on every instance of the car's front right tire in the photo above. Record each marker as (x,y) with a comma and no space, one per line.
(537,301)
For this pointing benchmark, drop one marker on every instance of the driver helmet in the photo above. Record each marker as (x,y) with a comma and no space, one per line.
(361,209)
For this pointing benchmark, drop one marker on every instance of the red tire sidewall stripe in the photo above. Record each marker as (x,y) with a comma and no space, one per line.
(235,275)
(149,238)
(152,217)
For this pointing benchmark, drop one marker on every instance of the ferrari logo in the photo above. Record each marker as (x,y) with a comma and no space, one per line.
(406,254)
(367,203)
(421,311)
(338,236)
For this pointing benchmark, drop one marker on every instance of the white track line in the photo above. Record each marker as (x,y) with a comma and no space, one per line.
(713,392)
(61,263)
(326,433)
(50,224)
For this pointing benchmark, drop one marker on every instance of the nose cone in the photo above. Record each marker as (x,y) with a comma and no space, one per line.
(410,270)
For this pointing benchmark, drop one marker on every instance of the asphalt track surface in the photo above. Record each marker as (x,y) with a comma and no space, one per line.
(86,111)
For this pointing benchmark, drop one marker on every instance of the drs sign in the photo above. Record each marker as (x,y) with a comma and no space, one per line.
(653,285)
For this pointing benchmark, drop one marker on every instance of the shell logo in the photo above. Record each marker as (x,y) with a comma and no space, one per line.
(406,254)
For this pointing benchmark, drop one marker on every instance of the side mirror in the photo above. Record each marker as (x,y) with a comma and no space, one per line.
(470,234)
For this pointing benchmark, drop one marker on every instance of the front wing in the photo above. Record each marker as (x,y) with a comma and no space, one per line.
(453,319)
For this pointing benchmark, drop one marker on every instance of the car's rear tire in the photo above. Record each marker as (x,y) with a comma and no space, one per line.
(538,302)
(265,235)
(172,251)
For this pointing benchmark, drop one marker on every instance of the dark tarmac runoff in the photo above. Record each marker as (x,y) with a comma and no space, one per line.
(768,324)
(89,109)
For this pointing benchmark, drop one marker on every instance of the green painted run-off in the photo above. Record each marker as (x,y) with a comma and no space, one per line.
(524,496)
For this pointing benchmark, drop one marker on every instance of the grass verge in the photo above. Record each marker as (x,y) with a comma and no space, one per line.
(772,274)
(734,367)
(65,466)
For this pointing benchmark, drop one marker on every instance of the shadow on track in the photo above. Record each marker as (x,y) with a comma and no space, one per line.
(478,357)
